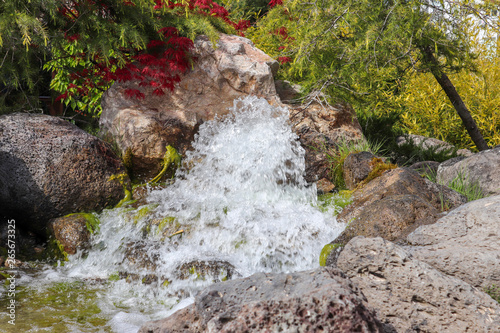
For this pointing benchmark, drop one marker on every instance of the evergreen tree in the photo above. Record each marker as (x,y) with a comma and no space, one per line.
(88,44)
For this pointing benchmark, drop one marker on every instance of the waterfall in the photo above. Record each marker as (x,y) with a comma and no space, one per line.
(238,205)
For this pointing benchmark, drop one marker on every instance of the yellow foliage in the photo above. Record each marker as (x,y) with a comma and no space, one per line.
(428,111)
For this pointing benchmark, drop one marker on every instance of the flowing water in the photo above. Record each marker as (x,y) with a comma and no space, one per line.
(239,205)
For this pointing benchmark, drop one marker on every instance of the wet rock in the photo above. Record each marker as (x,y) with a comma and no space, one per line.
(310,301)
(482,168)
(71,232)
(411,295)
(141,256)
(140,193)
(50,168)
(321,128)
(234,69)
(356,168)
(465,243)
(430,143)
(393,205)
(214,270)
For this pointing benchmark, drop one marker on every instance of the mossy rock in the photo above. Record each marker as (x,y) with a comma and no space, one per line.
(213,270)
(327,251)
(72,232)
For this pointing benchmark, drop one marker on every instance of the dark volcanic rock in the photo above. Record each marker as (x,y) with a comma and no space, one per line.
(50,168)
(311,301)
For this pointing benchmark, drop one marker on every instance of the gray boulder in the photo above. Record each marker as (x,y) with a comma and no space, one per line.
(482,168)
(49,168)
(429,143)
(411,295)
(310,301)
(465,243)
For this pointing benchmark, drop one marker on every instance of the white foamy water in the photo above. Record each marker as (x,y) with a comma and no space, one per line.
(240,201)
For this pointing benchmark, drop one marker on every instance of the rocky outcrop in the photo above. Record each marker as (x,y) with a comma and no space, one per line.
(430,143)
(49,168)
(411,295)
(321,128)
(356,168)
(310,301)
(234,69)
(465,243)
(482,168)
(394,204)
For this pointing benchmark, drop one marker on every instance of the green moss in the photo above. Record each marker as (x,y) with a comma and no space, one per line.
(143,212)
(240,243)
(93,224)
(164,222)
(378,167)
(127,159)
(55,250)
(325,252)
(114,277)
(338,201)
(59,307)
(122,179)
(170,159)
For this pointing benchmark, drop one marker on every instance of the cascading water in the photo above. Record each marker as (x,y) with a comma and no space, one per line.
(239,205)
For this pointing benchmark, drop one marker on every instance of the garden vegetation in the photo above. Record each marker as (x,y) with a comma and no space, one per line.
(426,67)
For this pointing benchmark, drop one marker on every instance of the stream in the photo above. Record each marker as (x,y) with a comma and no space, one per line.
(238,205)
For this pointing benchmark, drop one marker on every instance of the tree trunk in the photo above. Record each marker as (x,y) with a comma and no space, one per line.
(455,99)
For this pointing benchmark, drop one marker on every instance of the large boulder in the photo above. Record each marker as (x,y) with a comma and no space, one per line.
(311,301)
(234,69)
(465,243)
(394,204)
(411,295)
(482,168)
(49,168)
